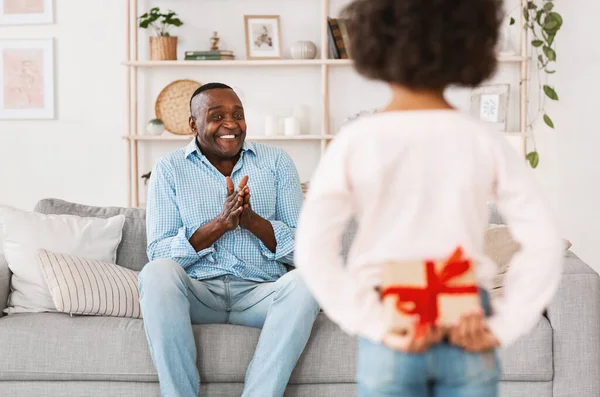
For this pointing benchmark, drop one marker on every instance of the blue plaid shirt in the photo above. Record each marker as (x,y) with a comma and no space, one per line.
(186,191)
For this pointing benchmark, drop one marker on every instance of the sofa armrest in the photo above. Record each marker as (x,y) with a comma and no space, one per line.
(4,284)
(574,314)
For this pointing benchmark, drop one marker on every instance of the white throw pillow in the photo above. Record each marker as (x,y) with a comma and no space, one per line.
(26,232)
(84,286)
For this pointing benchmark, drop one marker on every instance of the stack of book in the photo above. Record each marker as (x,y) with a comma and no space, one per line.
(339,40)
(219,55)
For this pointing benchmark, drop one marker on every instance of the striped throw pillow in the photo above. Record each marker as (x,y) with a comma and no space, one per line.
(90,287)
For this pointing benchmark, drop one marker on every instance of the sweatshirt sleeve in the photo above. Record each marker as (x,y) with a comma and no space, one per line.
(324,217)
(535,271)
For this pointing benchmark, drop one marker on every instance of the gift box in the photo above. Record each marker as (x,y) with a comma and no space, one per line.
(419,294)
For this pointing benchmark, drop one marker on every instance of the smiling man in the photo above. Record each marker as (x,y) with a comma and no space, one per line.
(221,220)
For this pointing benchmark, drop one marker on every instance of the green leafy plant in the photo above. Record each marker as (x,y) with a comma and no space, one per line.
(160,22)
(542,20)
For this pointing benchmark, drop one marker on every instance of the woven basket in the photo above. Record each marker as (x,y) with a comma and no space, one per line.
(173,106)
(163,48)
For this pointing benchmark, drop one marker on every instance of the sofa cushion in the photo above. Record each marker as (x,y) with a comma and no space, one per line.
(132,250)
(56,346)
(24,232)
(79,285)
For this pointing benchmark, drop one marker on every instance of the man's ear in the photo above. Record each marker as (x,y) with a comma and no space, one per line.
(193,127)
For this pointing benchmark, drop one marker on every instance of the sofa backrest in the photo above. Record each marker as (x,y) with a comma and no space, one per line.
(132,249)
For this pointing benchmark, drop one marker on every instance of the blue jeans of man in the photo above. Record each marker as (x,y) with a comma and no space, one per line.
(444,370)
(171,302)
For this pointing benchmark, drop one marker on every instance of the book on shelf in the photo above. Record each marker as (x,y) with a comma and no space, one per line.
(345,36)
(219,55)
(339,41)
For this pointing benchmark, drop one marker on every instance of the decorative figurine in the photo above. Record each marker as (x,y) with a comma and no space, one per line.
(214,42)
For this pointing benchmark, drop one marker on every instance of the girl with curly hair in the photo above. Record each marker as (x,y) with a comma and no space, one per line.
(417,177)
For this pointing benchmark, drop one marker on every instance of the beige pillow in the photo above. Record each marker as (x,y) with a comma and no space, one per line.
(500,247)
(90,287)
(24,232)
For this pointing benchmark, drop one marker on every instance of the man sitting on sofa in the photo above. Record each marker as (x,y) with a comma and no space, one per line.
(218,252)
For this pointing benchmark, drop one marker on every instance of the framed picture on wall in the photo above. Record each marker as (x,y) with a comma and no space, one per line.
(263,36)
(24,12)
(27,79)
(489,103)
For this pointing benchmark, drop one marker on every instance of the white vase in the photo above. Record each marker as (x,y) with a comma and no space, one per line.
(155,127)
(271,125)
(301,112)
(292,126)
(304,50)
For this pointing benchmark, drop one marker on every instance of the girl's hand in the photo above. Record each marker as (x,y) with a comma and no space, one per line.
(473,335)
(410,344)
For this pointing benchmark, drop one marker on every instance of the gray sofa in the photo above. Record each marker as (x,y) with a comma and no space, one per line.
(51,354)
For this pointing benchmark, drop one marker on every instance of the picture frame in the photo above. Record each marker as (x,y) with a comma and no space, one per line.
(27,79)
(26,12)
(489,103)
(263,37)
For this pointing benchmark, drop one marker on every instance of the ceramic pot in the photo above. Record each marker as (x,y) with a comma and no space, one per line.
(304,50)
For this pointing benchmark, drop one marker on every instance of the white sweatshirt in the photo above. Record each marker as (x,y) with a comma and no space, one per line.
(418,183)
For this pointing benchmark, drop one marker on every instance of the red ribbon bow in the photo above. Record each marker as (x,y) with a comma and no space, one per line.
(423,301)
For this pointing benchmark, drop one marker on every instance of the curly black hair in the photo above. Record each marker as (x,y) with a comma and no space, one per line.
(425,44)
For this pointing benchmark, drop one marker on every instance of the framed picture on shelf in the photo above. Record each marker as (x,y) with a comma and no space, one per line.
(489,103)
(27,79)
(263,36)
(24,12)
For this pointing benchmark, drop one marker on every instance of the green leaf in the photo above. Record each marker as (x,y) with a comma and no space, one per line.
(548,6)
(552,22)
(531,5)
(541,62)
(550,93)
(548,121)
(537,43)
(550,71)
(176,22)
(550,38)
(512,21)
(145,24)
(550,53)
(526,14)
(533,158)
(538,17)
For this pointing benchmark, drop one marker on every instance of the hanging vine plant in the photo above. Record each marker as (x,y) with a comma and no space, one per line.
(542,20)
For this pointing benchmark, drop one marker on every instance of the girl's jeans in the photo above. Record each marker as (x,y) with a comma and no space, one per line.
(445,370)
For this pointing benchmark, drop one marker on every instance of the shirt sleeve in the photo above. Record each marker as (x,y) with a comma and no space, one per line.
(164,228)
(287,209)
(324,218)
(535,271)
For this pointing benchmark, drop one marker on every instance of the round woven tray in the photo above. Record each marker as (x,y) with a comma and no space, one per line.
(173,106)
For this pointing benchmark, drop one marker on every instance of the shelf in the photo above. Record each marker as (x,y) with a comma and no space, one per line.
(272,62)
(171,137)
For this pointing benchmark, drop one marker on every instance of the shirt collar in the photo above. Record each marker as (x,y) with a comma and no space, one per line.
(193,147)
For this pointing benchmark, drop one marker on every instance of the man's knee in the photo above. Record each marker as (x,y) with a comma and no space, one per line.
(161,274)
(293,287)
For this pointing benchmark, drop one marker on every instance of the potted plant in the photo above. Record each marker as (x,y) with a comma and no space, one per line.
(163,46)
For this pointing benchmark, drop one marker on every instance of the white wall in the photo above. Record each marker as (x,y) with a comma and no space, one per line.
(574,148)
(80,156)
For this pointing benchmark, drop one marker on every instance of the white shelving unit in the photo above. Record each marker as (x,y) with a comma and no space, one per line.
(133,65)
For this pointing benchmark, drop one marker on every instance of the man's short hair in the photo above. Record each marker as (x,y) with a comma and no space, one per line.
(206,87)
